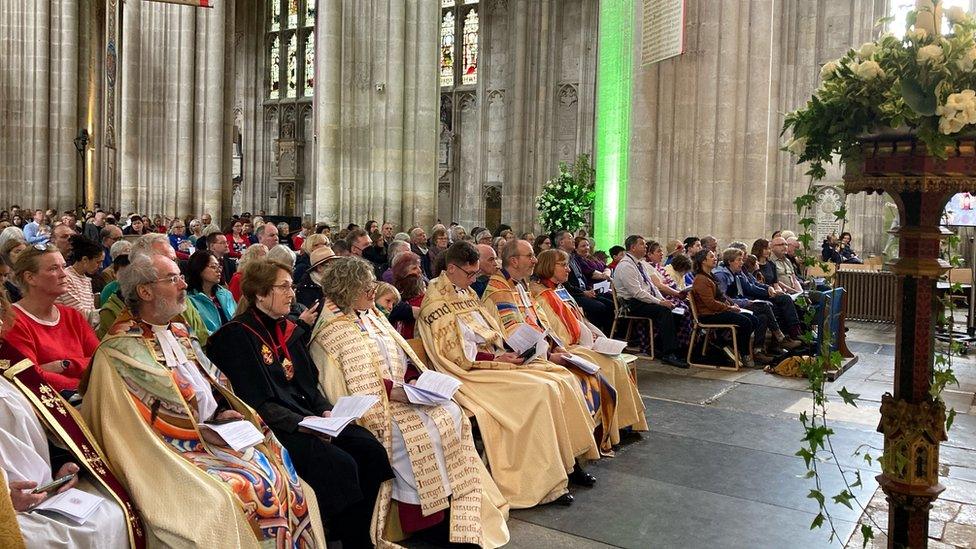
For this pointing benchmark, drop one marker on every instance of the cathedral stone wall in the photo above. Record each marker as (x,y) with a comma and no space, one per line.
(704,152)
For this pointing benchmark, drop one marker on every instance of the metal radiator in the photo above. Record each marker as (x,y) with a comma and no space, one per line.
(870,294)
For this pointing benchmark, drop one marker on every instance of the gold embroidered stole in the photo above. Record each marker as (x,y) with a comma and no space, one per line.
(349,343)
(66,424)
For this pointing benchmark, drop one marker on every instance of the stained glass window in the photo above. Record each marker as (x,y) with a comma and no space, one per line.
(310,13)
(460,27)
(447,49)
(292,14)
(275,16)
(309,64)
(292,86)
(291,49)
(274,69)
(469,74)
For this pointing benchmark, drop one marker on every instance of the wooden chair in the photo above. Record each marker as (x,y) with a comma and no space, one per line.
(620,314)
(707,328)
(960,276)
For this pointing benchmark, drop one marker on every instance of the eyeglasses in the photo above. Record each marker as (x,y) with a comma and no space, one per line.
(173,279)
(285,287)
(371,289)
(470,274)
(214,266)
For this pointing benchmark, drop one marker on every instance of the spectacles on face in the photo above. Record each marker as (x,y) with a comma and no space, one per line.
(214,266)
(284,287)
(371,289)
(469,274)
(173,279)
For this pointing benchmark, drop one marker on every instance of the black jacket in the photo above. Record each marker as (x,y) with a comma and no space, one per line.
(243,349)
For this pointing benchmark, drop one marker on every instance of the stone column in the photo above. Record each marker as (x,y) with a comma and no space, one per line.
(328,98)
(129,115)
(214,110)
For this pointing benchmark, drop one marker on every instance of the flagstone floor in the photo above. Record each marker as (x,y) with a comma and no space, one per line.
(718,470)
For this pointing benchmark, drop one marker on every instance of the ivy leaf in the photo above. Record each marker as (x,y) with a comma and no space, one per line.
(807,456)
(849,397)
(817,495)
(868,458)
(857,479)
(817,521)
(867,533)
(844,498)
(841,214)
(950,417)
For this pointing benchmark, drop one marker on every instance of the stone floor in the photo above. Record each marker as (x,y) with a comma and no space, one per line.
(718,469)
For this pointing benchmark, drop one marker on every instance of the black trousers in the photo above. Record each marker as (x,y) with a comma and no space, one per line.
(663,322)
(346,475)
(743,323)
(598,310)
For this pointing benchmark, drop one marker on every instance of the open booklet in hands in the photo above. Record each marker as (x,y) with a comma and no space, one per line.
(431,389)
(346,410)
(75,504)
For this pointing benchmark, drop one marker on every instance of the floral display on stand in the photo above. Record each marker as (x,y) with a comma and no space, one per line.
(566,202)
(923,83)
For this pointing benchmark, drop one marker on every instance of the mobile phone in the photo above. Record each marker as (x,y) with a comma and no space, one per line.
(528,353)
(56,483)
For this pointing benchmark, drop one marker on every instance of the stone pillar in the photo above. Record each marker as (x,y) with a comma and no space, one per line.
(129,115)
(328,97)
(214,110)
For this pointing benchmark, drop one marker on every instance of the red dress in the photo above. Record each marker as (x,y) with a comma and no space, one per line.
(236,245)
(70,338)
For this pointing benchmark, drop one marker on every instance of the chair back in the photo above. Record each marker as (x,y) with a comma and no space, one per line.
(856,267)
(694,311)
(961,276)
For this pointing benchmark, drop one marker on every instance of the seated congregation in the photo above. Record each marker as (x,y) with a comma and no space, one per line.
(177,385)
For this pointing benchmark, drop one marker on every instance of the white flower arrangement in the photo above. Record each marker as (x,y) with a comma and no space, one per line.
(923,83)
(567,198)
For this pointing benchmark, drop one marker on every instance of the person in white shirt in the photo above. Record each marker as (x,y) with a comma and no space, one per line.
(641,298)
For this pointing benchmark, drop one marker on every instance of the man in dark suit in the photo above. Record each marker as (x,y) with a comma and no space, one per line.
(217,243)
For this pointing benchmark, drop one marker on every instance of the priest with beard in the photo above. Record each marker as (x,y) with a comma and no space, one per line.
(148,400)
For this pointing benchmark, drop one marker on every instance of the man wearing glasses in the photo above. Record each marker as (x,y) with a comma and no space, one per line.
(532,416)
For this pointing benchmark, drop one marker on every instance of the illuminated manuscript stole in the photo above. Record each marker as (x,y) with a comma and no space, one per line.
(353,364)
(145,417)
(514,306)
(556,303)
(532,417)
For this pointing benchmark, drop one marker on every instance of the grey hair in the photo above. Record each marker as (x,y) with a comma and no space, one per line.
(739,245)
(144,244)
(141,270)
(344,279)
(396,248)
(12,232)
(250,254)
(401,236)
(122,247)
(210,229)
(457,231)
(282,254)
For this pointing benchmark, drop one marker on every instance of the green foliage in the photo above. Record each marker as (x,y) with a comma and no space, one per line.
(884,84)
(567,199)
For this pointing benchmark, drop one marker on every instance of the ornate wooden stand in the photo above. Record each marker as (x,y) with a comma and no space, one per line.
(912,422)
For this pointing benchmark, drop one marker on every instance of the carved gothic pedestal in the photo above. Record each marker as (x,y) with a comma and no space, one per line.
(912,422)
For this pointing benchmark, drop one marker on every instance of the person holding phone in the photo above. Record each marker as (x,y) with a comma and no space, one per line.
(35,469)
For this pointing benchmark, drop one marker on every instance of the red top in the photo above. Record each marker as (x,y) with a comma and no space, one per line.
(235,286)
(236,245)
(70,338)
